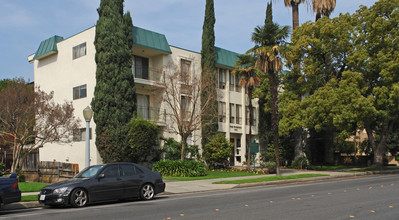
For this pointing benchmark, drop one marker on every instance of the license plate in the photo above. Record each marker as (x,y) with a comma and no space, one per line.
(42,197)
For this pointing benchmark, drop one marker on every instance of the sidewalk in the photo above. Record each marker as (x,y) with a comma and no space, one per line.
(181,187)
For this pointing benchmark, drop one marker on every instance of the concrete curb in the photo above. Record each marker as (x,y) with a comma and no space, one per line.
(303,180)
(21,205)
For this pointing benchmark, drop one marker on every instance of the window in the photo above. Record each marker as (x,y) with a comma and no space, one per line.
(237,83)
(232,80)
(79,92)
(222,112)
(111,171)
(140,67)
(79,51)
(80,134)
(185,67)
(185,106)
(143,106)
(232,113)
(128,170)
(238,114)
(222,78)
(253,116)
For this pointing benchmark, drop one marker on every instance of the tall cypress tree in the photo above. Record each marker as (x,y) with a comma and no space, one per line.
(209,76)
(114,96)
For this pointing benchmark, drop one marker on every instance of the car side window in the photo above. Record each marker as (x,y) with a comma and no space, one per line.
(139,170)
(111,171)
(128,170)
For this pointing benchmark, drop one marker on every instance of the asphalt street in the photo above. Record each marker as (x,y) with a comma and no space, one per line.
(373,197)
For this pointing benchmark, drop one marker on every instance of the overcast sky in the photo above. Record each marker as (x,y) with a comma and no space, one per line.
(24,24)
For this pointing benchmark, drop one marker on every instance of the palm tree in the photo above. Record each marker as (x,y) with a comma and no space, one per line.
(295,11)
(245,68)
(323,7)
(268,39)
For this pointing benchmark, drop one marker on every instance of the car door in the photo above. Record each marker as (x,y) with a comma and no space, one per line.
(132,180)
(108,185)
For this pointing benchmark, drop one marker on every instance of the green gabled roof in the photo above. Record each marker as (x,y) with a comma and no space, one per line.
(150,39)
(225,57)
(48,46)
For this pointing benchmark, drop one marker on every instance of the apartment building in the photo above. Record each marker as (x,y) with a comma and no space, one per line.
(67,67)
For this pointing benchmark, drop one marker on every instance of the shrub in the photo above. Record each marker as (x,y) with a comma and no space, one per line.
(2,168)
(218,150)
(301,163)
(172,149)
(186,168)
(143,140)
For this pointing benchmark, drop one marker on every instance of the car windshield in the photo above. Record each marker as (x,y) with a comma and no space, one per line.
(89,172)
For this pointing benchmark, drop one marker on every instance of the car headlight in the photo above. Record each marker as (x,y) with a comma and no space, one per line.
(60,190)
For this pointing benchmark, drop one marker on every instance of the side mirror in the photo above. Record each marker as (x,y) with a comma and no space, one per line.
(102,175)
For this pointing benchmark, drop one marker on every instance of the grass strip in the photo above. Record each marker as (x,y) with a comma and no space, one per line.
(269,178)
(31,187)
(29,198)
(211,175)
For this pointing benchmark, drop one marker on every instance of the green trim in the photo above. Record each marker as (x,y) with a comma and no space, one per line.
(150,39)
(225,58)
(48,46)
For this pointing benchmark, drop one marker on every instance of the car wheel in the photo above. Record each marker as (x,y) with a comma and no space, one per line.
(79,198)
(147,192)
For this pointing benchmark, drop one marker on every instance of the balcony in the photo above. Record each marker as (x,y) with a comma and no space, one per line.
(153,114)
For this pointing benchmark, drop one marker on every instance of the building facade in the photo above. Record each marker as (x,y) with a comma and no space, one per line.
(67,67)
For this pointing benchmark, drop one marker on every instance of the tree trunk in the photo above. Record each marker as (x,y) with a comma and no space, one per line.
(300,137)
(380,148)
(183,145)
(318,16)
(274,110)
(295,15)
(329,146)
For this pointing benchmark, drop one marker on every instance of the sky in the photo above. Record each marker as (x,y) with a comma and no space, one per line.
(24,24)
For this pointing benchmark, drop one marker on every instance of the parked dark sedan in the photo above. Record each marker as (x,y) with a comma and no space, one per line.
(9,191)
(102,183)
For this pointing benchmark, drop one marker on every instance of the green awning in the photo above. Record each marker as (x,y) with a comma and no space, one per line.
(150,39)
(48,47)
(225,58)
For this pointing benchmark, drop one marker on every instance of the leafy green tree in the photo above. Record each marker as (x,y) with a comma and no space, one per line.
(320,49)
(351,78)
(143,139)
(114,96)
(268,39)
(208,62)
(218,150)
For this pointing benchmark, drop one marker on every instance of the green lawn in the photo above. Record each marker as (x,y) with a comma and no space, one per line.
(31,187)
(29,198)
(268,179)
(211,175)
(332,168)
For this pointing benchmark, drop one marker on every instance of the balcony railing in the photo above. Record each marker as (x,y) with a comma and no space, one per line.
(152,114)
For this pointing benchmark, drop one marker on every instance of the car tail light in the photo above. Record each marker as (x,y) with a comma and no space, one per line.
(15,186)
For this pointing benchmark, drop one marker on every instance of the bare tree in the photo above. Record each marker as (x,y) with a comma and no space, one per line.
(32,119)
(181,92)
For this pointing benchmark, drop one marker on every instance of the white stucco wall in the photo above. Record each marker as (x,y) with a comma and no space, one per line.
(60,73)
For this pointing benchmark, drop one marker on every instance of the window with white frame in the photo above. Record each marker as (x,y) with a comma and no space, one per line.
(143,106)
(185,68)
(238,114)
(222,78)
(222,112)
(185,106)
(232,113)
(140,67)
(79,92)
(232,80)
(79,51)
(237,83)
(80,134)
